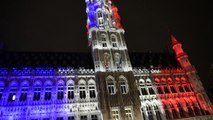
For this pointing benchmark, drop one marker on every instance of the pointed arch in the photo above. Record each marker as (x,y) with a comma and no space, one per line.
(123,84)
(110,81)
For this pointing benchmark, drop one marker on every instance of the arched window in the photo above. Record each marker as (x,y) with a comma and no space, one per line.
(163,81)
(149,86)
(82,89)
(157,81)
(174,112)
(189,108)
(13,89)
(103,40)
(48,90)
(183,80)
(71,89)
(24,90)
(99,14)
(149,112)
(1,89)
(100,18)
(92,90)
(142,87)
(196,108)
(123,85)
(37,91)
(169,81)
(181,110)
(177,80)
(157,112)
(111,86)
(143,110)
(168,114)
(60,90)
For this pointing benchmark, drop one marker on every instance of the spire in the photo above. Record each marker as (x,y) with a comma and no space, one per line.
(174,40)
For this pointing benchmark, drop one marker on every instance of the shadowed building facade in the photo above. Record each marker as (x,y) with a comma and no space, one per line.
(110,84)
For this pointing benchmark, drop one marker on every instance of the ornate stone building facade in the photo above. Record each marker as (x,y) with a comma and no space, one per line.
(112,85)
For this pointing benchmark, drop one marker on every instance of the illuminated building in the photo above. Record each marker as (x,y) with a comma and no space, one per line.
(112,84)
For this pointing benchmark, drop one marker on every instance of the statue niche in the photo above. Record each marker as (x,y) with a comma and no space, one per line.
(106,60)
(118,60)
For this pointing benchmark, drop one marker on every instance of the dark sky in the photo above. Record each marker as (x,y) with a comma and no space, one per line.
(59,25)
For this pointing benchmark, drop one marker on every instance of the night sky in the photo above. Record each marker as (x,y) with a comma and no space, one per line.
(59,26)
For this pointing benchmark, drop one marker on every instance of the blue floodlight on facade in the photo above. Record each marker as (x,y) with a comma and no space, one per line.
(92,7)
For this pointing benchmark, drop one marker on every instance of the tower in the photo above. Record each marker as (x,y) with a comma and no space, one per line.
(191,73)
(111,62)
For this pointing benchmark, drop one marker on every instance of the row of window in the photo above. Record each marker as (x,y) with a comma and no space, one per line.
(170,81)
(173,89)
(191,110)
(104,41)
(115,114)
(112,89)
(48,93)
(82,117)
(149,114)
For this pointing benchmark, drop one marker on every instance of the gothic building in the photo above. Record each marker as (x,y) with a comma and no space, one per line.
(110,84)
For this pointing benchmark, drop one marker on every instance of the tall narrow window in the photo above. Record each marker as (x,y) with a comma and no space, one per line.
(92,93)
(142,87)
(160,90)
(113,41)
(144,91)
(47,95)
(157,111)
(115,114)
(151,91)
(168,114)
(190,110)
(180,88)
(71,91)
(104,42)
(23,96)
(12,94)
(82,89)
(37,93)
(166,89)
(174,112)
(143,113)
(99,14)
(173,89)
(111,87)
(128,113)
(186,88)
(123,87)
(181,111)
(1,92)
(60,93)
(150,114)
